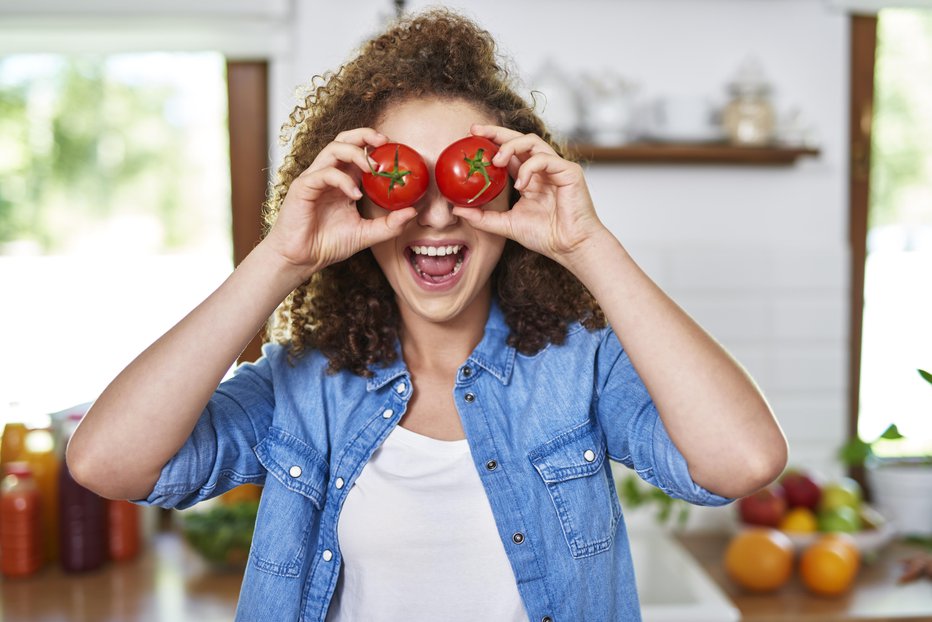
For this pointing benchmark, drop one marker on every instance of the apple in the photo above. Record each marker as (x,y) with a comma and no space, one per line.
(841,518)
(801,489)
(844,492)
(766,507)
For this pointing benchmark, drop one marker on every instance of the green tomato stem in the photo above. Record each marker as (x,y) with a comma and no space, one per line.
(478,165)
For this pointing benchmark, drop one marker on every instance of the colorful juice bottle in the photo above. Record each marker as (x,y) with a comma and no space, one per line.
(42,458)
(123,520)
(83,519)
(13,443)
(20,522)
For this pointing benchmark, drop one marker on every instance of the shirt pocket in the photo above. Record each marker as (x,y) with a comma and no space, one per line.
(290,500)
(574,468)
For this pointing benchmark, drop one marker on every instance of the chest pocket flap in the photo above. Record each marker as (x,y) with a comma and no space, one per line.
(295,464)
(572,467)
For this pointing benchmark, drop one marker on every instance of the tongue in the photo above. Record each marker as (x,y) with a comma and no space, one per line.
(435,266)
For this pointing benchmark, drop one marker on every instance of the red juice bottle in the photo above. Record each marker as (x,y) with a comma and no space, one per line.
(20,522)
(123,520)
(83,519)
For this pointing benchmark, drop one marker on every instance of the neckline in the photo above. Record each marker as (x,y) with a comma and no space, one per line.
(415,439)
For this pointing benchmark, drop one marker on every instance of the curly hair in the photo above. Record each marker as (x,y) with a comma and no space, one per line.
(348,311)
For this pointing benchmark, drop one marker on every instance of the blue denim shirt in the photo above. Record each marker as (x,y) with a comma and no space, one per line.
(541,430)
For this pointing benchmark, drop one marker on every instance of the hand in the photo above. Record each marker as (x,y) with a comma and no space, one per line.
(318,223)
(555,215)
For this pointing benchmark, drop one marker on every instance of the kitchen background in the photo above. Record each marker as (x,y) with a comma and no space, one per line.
(759,255)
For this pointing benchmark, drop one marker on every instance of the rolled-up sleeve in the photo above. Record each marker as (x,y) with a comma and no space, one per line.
(218,455)
(635,433)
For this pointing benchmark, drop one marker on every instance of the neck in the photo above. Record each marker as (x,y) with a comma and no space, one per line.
(443,346)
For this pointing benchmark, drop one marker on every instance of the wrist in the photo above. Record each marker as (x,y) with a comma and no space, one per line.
(283,274)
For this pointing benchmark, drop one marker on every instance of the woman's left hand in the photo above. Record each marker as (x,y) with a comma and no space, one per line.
(555,215)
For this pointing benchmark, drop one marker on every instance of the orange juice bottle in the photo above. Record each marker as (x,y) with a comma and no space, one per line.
(44,462)
(13,443)
(20,522)
(123,526)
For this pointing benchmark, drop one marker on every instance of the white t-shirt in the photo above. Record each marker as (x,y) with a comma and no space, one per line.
(419,541)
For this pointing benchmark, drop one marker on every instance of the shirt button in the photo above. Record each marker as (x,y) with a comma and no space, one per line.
(400,387)
(328,555)
(518,538)
(295,471)
(467,372)
(387,413)
(491,465)
(339,483)
(589,455)
(546,619)
(470,397)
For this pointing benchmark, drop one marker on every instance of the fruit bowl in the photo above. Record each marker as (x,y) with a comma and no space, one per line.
(868,541)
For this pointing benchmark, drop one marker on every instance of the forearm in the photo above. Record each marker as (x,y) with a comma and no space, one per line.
(714,412)
(149,410)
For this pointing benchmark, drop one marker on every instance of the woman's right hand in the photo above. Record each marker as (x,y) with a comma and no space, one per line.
(318,223)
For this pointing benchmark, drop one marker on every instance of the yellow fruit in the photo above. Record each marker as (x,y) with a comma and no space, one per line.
(799,520)
(759,559)
(829,566)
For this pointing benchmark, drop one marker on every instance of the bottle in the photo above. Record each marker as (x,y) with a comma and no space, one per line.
(83,518)
(43,460)
(749,118)
(20,522)
(13,443)
(123,520)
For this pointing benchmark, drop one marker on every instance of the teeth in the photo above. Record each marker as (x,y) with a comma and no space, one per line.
(436,251)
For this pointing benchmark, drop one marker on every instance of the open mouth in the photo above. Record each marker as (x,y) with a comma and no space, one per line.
(436,264)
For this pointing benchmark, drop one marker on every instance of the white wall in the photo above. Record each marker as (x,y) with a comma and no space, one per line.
(758,255)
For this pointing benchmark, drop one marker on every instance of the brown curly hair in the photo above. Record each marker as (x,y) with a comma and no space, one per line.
(348,310)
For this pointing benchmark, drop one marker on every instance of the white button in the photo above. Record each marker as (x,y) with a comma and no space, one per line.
(295,471)
(400,387)
(328,555)
(589,455)
(387,413)
(339,482)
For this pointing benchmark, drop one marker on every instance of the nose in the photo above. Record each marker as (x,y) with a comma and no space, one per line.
(435,210)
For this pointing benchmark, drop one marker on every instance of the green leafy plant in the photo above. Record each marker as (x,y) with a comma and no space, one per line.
(634,494)
(857,451)
(222,534)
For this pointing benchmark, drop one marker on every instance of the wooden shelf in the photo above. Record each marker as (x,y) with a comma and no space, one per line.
(691,153)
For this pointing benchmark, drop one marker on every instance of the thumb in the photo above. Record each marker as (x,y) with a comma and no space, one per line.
(489,221)
(386,227)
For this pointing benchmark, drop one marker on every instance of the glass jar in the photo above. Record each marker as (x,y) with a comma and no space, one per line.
(749,117)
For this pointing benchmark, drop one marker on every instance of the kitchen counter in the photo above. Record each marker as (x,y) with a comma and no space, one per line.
(875,597)
(170,582)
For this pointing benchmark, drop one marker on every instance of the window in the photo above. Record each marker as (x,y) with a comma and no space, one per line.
(114,213)
(897,316)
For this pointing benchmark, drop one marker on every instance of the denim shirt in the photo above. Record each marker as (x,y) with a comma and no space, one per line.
(541,430)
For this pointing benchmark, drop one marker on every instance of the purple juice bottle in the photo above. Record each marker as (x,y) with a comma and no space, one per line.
(83,524)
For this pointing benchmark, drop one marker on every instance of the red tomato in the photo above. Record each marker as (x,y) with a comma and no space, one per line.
(400,178)
(465,174)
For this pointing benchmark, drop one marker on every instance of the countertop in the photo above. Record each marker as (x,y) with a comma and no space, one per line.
(875,597)
(171,583)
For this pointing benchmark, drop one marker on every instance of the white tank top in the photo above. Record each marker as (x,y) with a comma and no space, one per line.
(419,541)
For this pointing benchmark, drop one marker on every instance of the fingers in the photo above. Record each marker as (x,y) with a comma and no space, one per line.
(515,147)
(349,147)
(559,172)
(315,183)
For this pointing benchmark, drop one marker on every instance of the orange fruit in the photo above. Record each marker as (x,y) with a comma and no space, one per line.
(799,520)
(829,566)
(759,559)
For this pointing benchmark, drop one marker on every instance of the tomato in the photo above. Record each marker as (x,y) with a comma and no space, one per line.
(400,178)
(465,174)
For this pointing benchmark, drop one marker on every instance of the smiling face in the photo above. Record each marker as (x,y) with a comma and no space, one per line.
(440,266)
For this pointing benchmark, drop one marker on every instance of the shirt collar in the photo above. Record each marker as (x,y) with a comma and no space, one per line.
(493,354)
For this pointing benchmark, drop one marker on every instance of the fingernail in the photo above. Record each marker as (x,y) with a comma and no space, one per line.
(357,193)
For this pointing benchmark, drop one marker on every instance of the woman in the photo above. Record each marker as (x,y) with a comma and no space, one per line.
(433,437)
